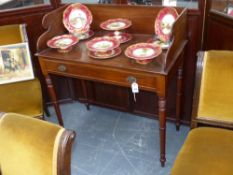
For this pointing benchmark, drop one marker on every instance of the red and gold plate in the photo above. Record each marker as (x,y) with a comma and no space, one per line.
(122,37)
(105,55)
(143,53)
(164,22)
(86,35)
(116,24)
(163,45)
(102,44)
(62,42)
(77,18)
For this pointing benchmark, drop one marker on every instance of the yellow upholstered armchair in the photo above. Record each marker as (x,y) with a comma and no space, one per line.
(33,147)
(213,96)
(209,150)
(21,97)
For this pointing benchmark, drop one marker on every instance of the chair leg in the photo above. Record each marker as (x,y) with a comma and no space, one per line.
(193,124)
(46,110)
(43,117)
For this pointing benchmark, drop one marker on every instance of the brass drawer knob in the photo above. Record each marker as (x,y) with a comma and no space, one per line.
(131,79)
(62,68)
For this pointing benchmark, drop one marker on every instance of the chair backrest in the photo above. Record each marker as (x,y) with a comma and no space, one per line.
(32,146)
(213,98)
(11,34)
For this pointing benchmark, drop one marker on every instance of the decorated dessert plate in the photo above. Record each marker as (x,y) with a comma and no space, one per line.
(142,52)
(162,44)
(122,37)
(62,42)
(102,44)
(164,22)
(86,35)
(116,24)
(77,18)
(105,55)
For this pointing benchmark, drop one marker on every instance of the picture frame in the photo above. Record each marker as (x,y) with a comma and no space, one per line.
(15,63)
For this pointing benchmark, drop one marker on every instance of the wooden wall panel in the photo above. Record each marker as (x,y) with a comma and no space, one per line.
(111,96)
(219,34)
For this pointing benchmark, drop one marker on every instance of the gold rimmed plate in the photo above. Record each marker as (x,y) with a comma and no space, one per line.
(116,24)
(102,44)
(122,37)
(105,55)
(162,44)
(83,36)
(62,42)
(77,18)
(164,22)
(143,53)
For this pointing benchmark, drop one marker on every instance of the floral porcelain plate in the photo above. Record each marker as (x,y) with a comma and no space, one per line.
(116,24)
(143,52)
(62,42)
(163,45)
(121,36)
(105,55)
(77,18)
(86,35)
(163,23)
(102,44)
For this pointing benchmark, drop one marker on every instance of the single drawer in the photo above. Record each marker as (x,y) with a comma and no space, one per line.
(107,75)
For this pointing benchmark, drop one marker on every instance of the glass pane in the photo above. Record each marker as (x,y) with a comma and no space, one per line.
(192,4)
(12,4)
(86,1)
(224,6)
(179,3)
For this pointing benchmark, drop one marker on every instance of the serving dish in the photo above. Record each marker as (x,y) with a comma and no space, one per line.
(143,53)
(162,44)
(63,43)
(105,55)
(83,36)
(122,37)
(102,44)
(116,24)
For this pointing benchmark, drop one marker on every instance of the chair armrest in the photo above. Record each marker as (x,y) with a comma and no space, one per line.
(199,68)
(64,153)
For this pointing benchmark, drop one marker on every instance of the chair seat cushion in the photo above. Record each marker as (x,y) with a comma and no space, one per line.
(216,91)
(206,151)
(28,146)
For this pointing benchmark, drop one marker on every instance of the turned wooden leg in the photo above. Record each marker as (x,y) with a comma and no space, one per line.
(46,110)
(162,129)
(84,88)
(178,97)
(53,97)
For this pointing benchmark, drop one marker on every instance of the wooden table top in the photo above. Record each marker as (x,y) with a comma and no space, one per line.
(79,55)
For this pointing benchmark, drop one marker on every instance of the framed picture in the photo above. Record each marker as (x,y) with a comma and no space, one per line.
(15,63)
